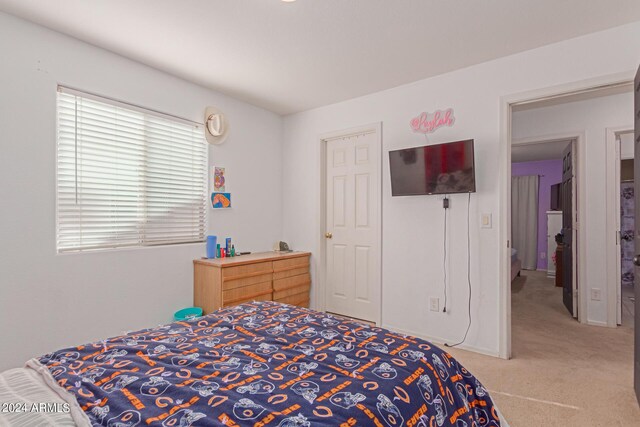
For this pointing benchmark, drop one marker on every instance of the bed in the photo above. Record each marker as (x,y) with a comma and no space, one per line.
(516,264)
(260,364)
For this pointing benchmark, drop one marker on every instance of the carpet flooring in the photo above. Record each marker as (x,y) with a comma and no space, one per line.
(562,373)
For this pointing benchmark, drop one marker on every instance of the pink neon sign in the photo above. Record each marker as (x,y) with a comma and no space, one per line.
(428,123)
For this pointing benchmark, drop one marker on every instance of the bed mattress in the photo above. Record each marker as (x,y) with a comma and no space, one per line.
(265,364)
(514,255)
(20,390)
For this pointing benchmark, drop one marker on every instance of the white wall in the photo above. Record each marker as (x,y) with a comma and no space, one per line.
(48,301)
(591,117)
(412,226)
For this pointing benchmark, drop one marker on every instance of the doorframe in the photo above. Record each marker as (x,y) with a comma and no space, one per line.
(614,258)
(320,289)
(506,104)
(577,140)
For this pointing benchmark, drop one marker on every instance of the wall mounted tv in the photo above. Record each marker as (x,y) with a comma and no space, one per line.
(433,169)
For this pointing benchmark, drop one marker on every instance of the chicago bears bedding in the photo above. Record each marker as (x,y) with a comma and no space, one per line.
(267,364)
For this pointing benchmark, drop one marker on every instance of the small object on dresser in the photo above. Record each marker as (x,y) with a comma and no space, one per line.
(211,246)
(233,250)
(218,251)
(283,247)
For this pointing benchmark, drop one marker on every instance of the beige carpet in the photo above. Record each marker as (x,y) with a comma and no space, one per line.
(562,373)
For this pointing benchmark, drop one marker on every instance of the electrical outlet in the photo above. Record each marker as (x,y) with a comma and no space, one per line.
(596,294)
(434,304)
(543,255)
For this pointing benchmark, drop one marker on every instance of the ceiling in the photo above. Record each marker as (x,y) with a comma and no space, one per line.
(290,57)
(536,151)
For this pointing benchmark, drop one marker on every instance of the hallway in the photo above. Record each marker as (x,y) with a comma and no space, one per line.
(562,373)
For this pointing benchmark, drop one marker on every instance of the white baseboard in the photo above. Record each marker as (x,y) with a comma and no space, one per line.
(440,341)
(597,323)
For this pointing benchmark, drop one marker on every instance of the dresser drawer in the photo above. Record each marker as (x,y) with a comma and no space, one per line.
(265,297)
(303,289)
(246,271)
(291,282)
(243,282)
(297,271)
(246,292)
(301,300)
(290,264)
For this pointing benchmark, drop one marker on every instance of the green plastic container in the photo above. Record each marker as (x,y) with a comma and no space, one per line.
(187,313)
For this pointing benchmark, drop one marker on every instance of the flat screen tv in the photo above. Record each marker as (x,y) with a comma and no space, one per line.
(433,169)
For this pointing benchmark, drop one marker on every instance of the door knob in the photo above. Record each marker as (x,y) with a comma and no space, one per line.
(636,260)
(328,235)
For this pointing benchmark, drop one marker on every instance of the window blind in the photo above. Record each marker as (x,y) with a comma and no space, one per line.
(126,176)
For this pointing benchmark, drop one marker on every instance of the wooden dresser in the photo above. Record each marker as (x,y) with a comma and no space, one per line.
(265,276)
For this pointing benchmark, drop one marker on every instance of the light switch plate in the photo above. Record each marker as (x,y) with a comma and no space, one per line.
(485,220)
(434,304)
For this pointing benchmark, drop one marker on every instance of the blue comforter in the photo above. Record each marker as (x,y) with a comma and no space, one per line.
(269,364)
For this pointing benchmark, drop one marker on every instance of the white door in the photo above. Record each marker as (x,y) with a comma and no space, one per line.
(352,231)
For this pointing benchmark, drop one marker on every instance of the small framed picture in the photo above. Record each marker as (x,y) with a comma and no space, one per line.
(218,179)
(221,200)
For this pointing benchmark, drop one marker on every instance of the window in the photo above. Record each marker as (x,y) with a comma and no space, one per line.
(126,176)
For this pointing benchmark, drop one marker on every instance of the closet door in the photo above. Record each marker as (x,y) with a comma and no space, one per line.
(353,226)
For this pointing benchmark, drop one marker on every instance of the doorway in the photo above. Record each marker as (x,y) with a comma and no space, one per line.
(550,97)
(541,254)
(351,234)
